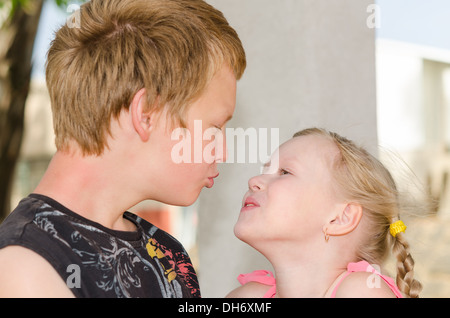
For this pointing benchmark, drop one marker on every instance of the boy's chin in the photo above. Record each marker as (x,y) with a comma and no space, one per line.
(184,201)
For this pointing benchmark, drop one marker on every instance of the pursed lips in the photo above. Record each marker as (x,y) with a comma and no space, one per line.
(211,181)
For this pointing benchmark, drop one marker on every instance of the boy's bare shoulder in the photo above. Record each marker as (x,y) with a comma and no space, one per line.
(249,290)
(24,273)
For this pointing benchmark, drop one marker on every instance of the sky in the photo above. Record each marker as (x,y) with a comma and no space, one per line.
(52,18)
(425,22)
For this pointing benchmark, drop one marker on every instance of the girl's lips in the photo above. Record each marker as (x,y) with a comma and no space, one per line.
(249,204)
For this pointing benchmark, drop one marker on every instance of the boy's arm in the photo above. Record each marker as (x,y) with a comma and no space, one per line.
(24,273)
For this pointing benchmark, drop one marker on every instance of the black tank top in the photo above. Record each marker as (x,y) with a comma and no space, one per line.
(95,261)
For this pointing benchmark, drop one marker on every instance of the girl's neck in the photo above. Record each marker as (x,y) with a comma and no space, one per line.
(304,276)
(303,281)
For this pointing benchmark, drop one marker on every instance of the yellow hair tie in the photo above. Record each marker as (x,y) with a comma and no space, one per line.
(397,227)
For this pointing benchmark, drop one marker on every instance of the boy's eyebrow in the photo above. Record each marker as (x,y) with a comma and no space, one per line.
(227,119)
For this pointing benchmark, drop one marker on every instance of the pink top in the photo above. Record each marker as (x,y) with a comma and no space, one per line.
(267,278)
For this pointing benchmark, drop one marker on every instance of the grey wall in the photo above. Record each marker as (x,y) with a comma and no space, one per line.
(310,63)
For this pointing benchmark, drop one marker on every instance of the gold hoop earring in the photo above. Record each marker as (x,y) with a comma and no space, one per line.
(327,236)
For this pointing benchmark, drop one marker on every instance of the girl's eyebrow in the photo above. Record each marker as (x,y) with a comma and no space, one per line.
(270,165)
(265,167)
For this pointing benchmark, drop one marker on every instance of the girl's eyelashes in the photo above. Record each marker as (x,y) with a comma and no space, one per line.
(272,169)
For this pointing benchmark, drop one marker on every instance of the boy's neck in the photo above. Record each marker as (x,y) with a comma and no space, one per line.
(90,186)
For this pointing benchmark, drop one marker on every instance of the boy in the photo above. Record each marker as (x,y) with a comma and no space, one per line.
(119,84)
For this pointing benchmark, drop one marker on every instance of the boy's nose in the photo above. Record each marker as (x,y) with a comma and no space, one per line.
(221,151)
(224,148)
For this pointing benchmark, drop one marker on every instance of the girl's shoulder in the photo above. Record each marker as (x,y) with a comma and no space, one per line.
(363,280)
(363,285)
(257,284)
(250,290)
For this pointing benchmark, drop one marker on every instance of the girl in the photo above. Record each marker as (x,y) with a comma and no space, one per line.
(321,212)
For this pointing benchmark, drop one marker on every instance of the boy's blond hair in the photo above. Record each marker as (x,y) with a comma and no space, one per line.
(172,48)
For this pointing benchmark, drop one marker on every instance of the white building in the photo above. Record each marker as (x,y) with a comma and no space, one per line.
(413,108)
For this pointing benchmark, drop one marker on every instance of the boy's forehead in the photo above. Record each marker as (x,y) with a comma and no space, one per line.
(219,98)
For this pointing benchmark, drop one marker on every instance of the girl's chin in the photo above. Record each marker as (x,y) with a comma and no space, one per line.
(244,234)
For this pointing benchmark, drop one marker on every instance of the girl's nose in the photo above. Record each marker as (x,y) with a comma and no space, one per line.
(256,183)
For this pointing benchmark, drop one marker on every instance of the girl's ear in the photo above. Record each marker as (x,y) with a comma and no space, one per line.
(141,117)
(345,221)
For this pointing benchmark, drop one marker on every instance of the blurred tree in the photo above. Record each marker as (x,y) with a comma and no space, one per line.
(17,34)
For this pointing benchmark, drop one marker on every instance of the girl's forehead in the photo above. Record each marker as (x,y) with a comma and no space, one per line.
(304,150)
(307,152)
(310,145)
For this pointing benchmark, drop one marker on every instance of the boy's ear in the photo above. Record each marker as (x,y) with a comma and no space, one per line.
(141,117)
(345,221)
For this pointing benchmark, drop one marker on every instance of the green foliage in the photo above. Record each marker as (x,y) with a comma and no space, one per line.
(8,7)
(62,3)
(14,4)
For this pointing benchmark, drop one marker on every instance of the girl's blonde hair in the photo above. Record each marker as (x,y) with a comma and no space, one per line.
(362,178)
